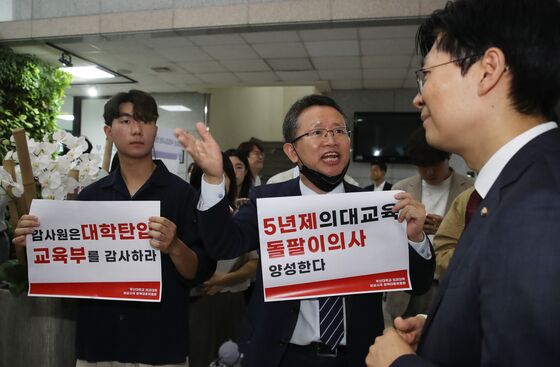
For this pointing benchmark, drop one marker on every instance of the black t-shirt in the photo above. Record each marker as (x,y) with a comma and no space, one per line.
(145,332)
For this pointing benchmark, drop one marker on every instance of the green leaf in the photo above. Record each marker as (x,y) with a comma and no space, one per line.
(31,95)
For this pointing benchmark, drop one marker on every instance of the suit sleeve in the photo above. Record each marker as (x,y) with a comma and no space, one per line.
(227,237)
(189,234)
(421,270)
(450,231)
(411,360)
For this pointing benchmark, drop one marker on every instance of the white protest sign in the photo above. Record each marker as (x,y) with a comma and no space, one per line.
(94,249)
(167,149)
(335,244)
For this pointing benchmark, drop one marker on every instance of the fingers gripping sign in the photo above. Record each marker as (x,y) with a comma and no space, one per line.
(27,224)
(205,152)
(413,212)
(163,233)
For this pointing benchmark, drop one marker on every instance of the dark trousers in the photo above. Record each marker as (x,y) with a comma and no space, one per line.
(296,356)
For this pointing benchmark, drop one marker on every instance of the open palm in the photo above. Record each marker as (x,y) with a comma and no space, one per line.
(205,152)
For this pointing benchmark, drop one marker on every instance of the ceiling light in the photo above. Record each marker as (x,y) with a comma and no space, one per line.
(65,117)
(66,59)
(88,72)
(174,108)
(92,92)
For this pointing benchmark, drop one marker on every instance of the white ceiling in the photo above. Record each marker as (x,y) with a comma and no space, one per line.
(347,57)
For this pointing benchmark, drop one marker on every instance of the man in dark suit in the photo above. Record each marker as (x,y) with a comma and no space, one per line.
(377,175)
(489,81)
(289,333)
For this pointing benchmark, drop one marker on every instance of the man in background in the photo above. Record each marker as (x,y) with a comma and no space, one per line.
(489,79)
(377,175)
(436,185)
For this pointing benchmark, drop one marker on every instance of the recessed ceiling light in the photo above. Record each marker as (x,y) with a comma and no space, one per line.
(92,92)
(175,108)
(65,117)
(88,72)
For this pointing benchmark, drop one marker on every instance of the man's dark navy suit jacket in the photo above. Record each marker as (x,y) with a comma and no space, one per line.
(499,303)
(268,327)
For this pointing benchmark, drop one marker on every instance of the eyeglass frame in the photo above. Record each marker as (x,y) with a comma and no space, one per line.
(420,81)
(325,134)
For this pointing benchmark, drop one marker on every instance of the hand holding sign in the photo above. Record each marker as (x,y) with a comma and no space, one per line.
(205,152)
(26,225)
(413,212)
(163,233)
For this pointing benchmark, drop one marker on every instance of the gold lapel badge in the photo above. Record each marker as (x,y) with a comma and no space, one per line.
(484,212)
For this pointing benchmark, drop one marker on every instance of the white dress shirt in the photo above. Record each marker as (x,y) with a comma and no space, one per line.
(307,328)
(378,187)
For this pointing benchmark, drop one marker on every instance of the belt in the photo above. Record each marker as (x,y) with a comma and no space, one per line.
(322,350)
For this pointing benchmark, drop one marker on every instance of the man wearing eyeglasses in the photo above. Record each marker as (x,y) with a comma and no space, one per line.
(489,82)
(289,333)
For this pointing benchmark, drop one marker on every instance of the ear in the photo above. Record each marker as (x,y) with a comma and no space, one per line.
(108,132)
(290,152)
(493,65)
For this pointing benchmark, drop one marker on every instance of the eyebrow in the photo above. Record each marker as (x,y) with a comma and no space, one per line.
(125,115)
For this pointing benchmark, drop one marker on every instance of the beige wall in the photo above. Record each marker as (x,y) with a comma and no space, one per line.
(237,114)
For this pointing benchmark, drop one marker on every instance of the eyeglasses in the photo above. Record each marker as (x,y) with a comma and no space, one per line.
(421,73)
(317,134)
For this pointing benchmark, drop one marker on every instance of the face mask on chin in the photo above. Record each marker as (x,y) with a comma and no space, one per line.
(322,182)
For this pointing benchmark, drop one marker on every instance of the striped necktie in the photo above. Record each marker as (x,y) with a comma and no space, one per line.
(331,317)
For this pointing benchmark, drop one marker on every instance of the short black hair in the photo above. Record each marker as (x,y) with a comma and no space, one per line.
(246,147)
(421,153)
(145,106)
(290,124)
(382,165)
(527,32)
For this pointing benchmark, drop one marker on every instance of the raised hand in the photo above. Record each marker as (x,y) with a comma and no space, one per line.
(205,152)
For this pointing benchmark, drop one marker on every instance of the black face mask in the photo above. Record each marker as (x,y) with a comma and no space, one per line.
(323,182)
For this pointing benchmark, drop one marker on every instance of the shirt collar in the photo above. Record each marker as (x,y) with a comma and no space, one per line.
(307,191)
(380,185)
(115,179)
(494,166)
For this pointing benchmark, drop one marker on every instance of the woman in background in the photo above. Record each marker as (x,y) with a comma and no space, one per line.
(242,173)
(219,304)
(254,154)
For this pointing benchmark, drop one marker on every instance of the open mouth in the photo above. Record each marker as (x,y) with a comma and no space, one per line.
(330,157)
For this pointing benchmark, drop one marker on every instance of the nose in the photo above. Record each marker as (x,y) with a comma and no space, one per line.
(329,137)
(430,172)
(418,101)
(136,127)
